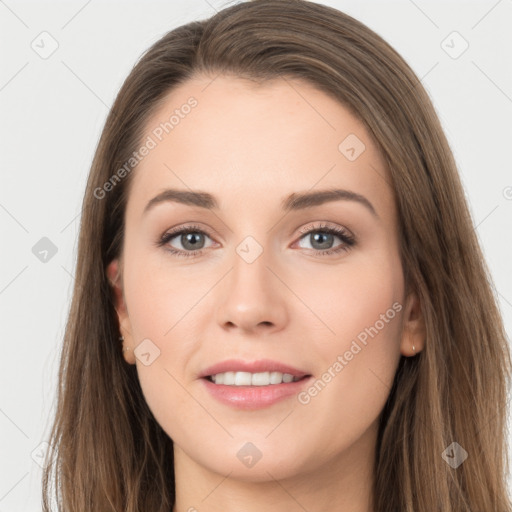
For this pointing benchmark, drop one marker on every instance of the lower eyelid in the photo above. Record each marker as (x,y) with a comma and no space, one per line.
(346,238)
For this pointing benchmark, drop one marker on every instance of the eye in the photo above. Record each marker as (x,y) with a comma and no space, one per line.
(322,237)
(191,239)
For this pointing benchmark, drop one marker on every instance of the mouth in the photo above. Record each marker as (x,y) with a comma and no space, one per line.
(253,379)
(253,385)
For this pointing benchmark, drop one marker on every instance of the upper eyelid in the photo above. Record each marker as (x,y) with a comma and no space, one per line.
(308,228)
(348,240)
(323,225)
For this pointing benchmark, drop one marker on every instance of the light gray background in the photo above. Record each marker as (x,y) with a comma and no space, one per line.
(52,111)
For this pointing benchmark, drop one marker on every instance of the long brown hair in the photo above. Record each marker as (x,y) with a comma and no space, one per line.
(111,454)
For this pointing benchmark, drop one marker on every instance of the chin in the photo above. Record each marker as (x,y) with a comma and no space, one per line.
(252,462)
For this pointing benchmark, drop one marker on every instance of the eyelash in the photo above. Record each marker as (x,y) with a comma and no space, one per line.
(347,239)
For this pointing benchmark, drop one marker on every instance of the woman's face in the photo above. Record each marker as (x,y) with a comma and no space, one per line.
(283,276)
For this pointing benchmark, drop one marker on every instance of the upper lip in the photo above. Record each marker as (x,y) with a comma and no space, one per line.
(262,365)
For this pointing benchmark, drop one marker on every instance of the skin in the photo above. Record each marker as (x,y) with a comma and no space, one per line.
(251,146)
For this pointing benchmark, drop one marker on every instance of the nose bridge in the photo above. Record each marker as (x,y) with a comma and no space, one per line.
(252,295)
(251,279)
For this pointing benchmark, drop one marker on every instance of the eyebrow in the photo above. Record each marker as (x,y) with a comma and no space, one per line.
(295,201)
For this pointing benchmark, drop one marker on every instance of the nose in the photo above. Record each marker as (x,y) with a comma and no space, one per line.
(252,297)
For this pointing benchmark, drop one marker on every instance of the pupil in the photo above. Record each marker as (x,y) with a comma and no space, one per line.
(325,244)
(191,238)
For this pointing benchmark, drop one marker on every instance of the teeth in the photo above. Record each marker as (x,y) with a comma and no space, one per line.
(252,379)
(243,379)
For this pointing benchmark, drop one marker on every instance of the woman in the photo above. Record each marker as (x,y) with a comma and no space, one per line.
(280,301)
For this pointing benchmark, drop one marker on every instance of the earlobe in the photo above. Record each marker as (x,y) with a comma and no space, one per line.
(115,279)
(414,331)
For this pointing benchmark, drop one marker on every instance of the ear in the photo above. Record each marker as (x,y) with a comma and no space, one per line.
(114,274)
(413,331)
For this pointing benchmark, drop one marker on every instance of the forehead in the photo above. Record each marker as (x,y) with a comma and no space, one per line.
(247,142)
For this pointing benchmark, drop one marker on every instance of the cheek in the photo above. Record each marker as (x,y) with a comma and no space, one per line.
(360,308)
(345,302)
(160,296)
(161,305)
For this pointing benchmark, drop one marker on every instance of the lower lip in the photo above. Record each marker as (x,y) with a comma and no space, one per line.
(254,397)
